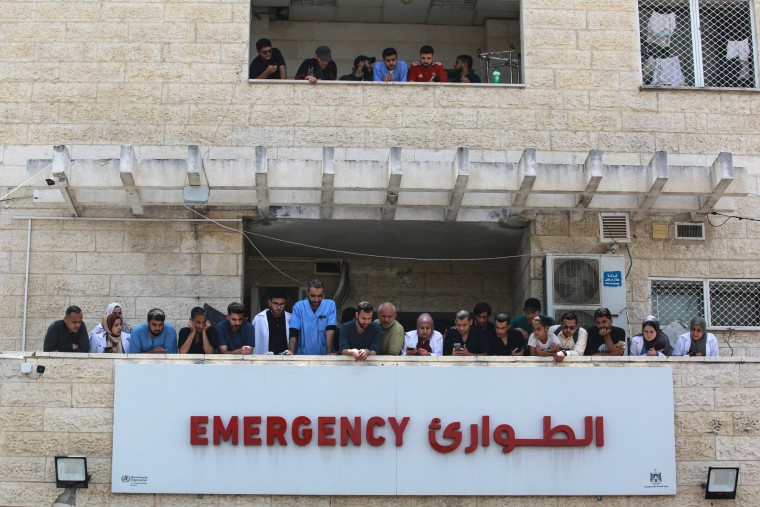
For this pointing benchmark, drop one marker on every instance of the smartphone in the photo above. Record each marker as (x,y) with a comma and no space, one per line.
(457,346)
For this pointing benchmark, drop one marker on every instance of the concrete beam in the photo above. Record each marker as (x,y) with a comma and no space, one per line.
(526,177)
(61,170)
(262,185)
(127,166)
(657,176)
(462,170)
(328,182)
(395,171)
(195,172)
(592,175)
(721,175)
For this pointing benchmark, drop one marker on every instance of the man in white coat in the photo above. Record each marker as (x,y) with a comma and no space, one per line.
(271,326)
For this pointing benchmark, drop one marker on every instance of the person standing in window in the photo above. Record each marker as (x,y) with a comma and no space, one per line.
(320,67)
(269,64)
(697,342)
(652,341)
(391,68)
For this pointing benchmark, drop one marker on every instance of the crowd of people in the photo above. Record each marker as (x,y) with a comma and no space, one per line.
(270,64)
(312,328)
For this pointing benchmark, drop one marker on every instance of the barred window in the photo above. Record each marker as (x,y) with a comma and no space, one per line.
(723,303)
(700,43)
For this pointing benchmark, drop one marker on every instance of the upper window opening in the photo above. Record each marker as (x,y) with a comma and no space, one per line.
(699,43)
(487,31)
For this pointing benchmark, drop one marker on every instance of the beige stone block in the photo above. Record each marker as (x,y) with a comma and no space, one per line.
(652,122)
(137,285)
(63,92)
(576,99)
(704,423)
(716,375)
(318,116)
(522,139)
(104,263)
(92,395)
(130,11)
(615,60)
(501,118)
(732,123)
(28,113)
(70,11)
(696,122)
(128,93)
(209,286)
(106,32)
(57,51)
(219,114)
(77,420)
(264,114)
(91,444)
(145,241)
(129,52)
(198,12)
(29,71)
(158,71)
(623,101)
(155,114)
(76,370)
(217,73)
(711,143)
(737,448)
(607,40)
(416,138)
(688,399)
(747,423)
(24,394)
(32,443)
(78,285)
(546,18)
(573,141)
(79,241)
(16,11)
(15,92)
(22,469)
(619,6)
(549,38)
(352,115)
(33,32)
(627,142)
(222,32)
(161,32)
(476,139)
(62,134)
(16,51)
(15,418)
(734,104)
(400,96)
(594,120)
(330,136)
(587,79)
(215,265)
(456,97)
(183,93)
(553,59)
(332,95)
(736,400)
(109,241)
(191,52)
(280,93)
(85,113)
(202,135)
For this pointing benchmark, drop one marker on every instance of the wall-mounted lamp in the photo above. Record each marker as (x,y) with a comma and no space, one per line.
(71,472)
(721,483)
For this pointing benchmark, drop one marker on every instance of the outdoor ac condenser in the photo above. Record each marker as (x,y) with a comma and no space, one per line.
(583,283)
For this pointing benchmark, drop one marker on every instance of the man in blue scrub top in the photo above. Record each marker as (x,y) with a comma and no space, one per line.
(313,323)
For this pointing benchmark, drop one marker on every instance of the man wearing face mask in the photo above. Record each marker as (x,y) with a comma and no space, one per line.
(362,69)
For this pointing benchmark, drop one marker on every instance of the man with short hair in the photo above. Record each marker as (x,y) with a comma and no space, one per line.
(362,69)
(235,334)
(154,336)
(481,313)
(392,341)
(390,68)
(313,323)
(572,338)
(69,334)
(269,64)
(271,326)
(464,339)
(505,341)
(426,70)
(360,337)
(463,66)
(321,66)
(524,322)
(198,337)
(604,339)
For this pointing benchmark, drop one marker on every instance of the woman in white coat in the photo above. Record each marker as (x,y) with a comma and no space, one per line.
(697,342)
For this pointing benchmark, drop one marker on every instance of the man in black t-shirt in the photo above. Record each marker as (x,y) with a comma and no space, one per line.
(199,336)
(269,64)
(506,341)
(320,67)
(604,339)
(464,339)
(362,69)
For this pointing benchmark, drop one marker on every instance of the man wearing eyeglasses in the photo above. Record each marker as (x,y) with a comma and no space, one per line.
(271,326)
(269,64)
(572,338)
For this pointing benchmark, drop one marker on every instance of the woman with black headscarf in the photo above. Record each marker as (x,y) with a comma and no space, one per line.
(697,342)
(652,341)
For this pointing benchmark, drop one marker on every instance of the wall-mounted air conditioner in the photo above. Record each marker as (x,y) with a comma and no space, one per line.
(583,283)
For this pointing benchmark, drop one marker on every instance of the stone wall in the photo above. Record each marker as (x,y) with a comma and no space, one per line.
(69,410)
(140,264)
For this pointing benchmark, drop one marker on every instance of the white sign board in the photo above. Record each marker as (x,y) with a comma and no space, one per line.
(392,430)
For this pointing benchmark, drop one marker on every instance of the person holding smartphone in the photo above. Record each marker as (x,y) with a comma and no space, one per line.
(464,339)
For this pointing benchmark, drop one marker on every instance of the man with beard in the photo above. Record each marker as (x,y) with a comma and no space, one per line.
(426,70)
(360,337)
(362,69)
(271,326)
(392,340)
(235,334)
(313,323)
(154,336)
(390,68)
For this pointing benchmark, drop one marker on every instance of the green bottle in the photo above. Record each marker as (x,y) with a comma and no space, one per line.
(496,76)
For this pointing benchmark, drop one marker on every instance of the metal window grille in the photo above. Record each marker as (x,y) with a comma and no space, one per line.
(700,43)
(677,300)
(734,303)
(723,303)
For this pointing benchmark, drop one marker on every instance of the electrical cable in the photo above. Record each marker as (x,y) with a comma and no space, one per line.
(738,217)
(726,340)
(630,258)
(27,181)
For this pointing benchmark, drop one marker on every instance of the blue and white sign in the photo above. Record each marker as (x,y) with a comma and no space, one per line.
(613,278)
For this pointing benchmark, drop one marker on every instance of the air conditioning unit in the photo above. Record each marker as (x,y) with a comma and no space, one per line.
(583,283)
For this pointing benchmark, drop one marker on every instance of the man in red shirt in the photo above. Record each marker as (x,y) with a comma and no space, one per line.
(426,70)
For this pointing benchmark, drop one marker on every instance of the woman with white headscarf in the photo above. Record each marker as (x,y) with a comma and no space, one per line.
(697,342)
(423,341)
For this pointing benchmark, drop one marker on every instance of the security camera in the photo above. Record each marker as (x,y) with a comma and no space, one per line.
(50,182)
(40,369)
